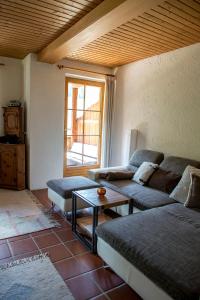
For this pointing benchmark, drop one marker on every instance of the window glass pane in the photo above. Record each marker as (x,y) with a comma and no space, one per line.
(75,96)
(90,147)
(91,123)
(74,159)
(74,122)
(89,160)
(92,97)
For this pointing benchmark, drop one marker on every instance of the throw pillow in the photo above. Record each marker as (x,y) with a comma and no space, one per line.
(193,198)
(119,175)
(144,172)
(164,181)
(103,175)
(180,192)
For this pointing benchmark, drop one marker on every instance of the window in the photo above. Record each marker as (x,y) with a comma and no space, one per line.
(83,125)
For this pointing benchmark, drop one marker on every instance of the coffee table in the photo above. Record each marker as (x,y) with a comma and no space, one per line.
(92,199)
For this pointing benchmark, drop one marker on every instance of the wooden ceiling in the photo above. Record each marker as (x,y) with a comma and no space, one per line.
(30,25)
(171,25)
(52,25)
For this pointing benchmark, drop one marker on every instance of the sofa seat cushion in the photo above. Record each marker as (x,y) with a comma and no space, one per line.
(65,186)
(144,197)
(164,244)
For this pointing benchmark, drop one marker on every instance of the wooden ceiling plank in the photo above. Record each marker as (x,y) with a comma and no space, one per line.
(19,41)
(184,8)
(69,7)
(195,5)
(30,19)
(168,26)
(164,12)
(166,16)
(109,50)
(58,8)
(27,30)
(39,39)
(113,50)
(104,18)
(148,36)
(163,30)
(40,14)
(180,14)
(133,44)
(155,33)
(79,5)
(43,9)
(24,23)
(122,35)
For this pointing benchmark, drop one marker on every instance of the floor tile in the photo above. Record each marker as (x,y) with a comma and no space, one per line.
(3,241)
(4,251)
(23,246)
(65,235)
(29,254)
(76,247)
(42,232)
(63,225)
(57,252)
(6,260)
(19,237)
(47,240)
(69,268)
(102,297)
(86,288)
(106,278)
(123,292)
(90,260)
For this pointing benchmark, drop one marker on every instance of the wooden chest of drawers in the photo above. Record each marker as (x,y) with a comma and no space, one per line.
(12,166)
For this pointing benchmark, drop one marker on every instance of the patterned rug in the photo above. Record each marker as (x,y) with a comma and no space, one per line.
(32,278)
(21,213)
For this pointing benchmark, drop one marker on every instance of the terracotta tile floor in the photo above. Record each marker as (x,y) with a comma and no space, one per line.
(82,271)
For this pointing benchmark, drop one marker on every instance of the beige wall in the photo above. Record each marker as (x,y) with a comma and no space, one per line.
(11,83)
(160,97)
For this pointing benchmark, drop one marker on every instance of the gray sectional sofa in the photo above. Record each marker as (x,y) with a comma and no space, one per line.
(145,197)
(156,251)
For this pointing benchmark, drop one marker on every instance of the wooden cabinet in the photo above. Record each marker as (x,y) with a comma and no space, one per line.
(12,166)
(13,121)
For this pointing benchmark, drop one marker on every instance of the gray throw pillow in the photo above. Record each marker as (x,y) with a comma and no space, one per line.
(164,181)
(180,192)
(193,199)
(144,172)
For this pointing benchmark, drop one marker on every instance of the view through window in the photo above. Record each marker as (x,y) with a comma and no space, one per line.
(83,122)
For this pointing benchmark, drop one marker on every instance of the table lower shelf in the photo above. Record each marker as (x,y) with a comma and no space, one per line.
(86,223)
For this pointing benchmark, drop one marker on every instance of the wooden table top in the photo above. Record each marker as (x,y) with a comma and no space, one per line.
(110,199)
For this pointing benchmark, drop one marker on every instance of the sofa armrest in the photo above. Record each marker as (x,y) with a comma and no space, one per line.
(94,174)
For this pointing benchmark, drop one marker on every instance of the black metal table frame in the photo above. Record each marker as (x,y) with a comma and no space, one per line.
(93,244)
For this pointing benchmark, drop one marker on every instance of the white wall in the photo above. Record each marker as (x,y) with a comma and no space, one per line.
(11,83)
(45,105)
(159,96)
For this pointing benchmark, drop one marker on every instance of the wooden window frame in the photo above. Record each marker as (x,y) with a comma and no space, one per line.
(82,170)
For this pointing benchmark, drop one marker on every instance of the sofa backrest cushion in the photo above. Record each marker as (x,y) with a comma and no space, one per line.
(177,165)
(139,156)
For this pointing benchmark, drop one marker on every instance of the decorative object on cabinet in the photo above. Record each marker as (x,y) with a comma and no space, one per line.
(13,122)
